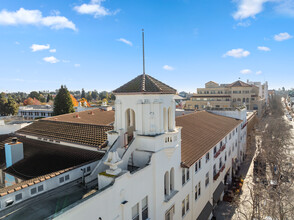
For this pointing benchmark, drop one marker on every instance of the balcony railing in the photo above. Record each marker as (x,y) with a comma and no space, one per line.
(223,167)
(219,151)
(215,177)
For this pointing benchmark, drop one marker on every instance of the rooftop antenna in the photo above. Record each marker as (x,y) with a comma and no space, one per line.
(143,82)
(143,52)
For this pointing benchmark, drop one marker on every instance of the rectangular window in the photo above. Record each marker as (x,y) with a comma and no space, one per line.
(66,178)
(33,191)
(183,208)
(187,203)
(199,163)
(225,156)
(61,179)
(88,169)
(40,188)
(214,169)
(145,208)
(188,174)
(214,150)
(196,167)
(183,176)
(135,212)
(220,163)
(18,197)
(199,188)
(207,157)
(196,192)
(207,179)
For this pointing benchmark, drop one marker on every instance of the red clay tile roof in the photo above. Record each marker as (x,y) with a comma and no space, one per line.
(201,132)
(239,83)
(84,134)
(147,85)
(94,116)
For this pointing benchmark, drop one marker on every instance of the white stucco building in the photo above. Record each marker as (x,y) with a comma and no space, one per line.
(35,111)
(155,165)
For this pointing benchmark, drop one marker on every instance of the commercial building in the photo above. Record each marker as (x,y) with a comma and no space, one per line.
(35,111)
(229,96)
(150,164)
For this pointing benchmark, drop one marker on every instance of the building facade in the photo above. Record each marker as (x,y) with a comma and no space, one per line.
(35,111)
(228,96)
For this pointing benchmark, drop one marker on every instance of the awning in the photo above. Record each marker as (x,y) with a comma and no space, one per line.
(217,193)
(206,211)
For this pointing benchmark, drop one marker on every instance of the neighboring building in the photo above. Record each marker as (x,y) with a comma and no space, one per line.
(263,90)
(227,96)
(35,111)
(151,164)
(10,126)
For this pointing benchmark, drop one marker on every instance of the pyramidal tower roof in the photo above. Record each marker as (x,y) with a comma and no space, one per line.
(145,84)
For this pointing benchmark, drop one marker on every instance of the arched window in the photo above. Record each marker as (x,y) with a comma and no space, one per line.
(130,121)
(164,119)
(172,179)
(166,183)
(170,119)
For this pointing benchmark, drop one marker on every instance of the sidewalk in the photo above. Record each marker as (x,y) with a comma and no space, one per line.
(225,210)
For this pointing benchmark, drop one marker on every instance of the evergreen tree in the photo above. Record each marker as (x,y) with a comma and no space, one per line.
(48,98)
(83,94)
(3,102)
(34,94)
(11,106)
(62,102)
(94,95)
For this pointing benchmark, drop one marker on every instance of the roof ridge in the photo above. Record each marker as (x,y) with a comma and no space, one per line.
(150,78)
(143,82)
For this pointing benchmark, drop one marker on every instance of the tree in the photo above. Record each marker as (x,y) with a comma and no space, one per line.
(94,95)
(34,94)
(3,102)
(62,102)
(11,106)
(83,94)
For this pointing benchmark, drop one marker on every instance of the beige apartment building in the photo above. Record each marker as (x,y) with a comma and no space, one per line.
(226,96)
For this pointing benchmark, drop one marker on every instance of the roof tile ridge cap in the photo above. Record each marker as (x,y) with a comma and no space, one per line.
(150,78)
(143,82)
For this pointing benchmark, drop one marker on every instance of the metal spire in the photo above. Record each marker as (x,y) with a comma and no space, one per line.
(143,83)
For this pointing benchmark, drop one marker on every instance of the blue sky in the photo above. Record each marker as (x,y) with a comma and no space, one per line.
(95,44)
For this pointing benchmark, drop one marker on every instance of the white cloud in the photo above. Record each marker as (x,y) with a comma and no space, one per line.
(66,61)
(125,41)
(282,36)
(263,48)
(38,47)
(34,17)
(94,8)
(237,53)
(248,8)
(286,7)
(244,23)
(77,65)
(51,59)
(52,51)
(167,67)
(259,72)
(246,71)
(17,43)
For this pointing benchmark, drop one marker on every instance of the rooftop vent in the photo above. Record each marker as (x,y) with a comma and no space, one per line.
(14,140)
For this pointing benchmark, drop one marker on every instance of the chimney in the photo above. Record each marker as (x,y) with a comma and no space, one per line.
(13,152)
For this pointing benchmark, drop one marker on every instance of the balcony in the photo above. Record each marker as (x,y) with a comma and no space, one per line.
(223,167)
(222,148)
(215,177)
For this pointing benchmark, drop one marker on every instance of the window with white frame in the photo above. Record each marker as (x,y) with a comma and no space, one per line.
(135,212)
(207,157)
(214,150)
(18,197)
(196,166)
(214,169)
(220,163)
(226,156)
(183,176)
(199,188)
(145,208)
(196,191)
(187,203)
(207,179)
(183,208)
(199,163)
(187,174)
